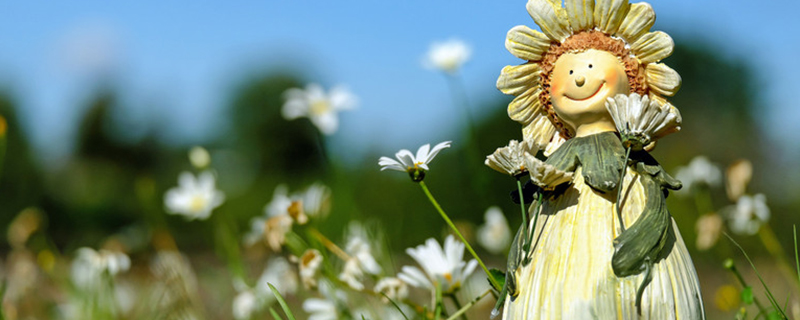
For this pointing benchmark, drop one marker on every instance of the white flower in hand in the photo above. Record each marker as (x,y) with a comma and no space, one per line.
(495,234)
(511,158)
(443,267)
(318,106)
(640,120)
(416,166)
(546,176)
(194,197)
(447,56)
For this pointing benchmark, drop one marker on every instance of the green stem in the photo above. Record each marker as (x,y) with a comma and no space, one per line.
(458,233)
(619,188)
(535,220)
(730,265)
(457,303)
(522,208)
(437,313)
(469,305)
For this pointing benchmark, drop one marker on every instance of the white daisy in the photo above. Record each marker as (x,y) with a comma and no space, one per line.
(408,162)
(392,287)
(749,213)
(89,266)
(199,157)
(281,275)
(700,171)
(511,158)
(444,267)
(318,106)
(245,304)
(316,200)
(361,261)
(447,56)
(641,120)
(309,265)
(327,307)
(194,197)
(546,176)
(494,235)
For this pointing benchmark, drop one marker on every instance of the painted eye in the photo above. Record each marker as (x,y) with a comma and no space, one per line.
(590,66)
(570,72)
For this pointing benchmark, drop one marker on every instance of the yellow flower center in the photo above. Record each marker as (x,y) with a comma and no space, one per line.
(197,203)
(320,107)
(449,277)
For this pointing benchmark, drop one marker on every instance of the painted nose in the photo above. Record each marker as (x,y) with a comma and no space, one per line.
(580,81)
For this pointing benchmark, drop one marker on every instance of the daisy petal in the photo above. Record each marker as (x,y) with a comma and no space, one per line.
(526,43)
(608,14)
(422,153)
(581,14)
(554,144)
(653,47)
(550,17)
(638,22)
(540,131)
(525,107)
(662,79)
(436,149)
(514,80)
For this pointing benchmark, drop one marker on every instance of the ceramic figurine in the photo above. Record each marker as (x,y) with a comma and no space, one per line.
(591,95)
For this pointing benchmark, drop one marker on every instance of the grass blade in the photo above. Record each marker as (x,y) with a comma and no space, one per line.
(796,258)
(395,305)
(282,302)
(275,314)
(769,293)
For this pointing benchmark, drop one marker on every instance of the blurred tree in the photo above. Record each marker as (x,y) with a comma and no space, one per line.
(286,149)
(20,177)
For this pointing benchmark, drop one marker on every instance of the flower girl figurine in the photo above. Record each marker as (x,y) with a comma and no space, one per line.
(600,243)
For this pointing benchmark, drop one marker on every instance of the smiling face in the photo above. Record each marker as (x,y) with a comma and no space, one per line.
(580,84)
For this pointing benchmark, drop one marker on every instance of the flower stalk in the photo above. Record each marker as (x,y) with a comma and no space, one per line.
(458,233)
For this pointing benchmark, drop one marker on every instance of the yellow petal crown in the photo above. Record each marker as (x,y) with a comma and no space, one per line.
(618,22)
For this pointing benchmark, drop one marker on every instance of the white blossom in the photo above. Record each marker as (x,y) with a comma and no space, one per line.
(320,107)
(199,157)
(195,197)
(494,235)
(546,176)
(309,265)
(408,162)
(393,288)
(511,158)
(700,171)
(641,120)
(360,261)
(442,266)
(708,227)
(281,275)
(245,304)
(447,56)
(89,266)
(749,213)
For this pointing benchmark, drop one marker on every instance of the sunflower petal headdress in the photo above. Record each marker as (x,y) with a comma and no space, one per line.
(609,25)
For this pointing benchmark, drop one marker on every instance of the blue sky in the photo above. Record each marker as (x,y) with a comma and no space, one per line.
(178,60)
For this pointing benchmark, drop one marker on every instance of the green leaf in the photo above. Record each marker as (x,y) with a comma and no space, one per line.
(282,302)
(747,295)
(774,315)
(499,277)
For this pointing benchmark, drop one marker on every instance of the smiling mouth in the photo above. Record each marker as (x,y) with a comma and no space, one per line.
(589,97)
